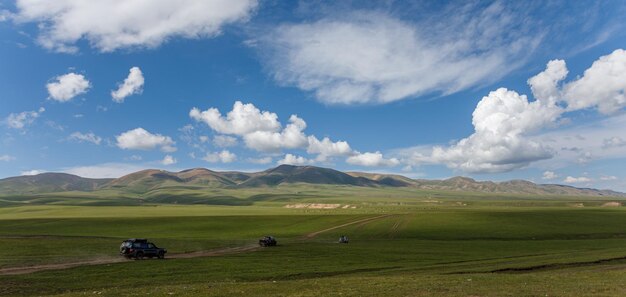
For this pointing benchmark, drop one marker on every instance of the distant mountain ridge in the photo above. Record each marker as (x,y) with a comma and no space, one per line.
(201,178)
(50,182)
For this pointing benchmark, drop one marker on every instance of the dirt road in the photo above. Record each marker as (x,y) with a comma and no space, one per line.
(207,253)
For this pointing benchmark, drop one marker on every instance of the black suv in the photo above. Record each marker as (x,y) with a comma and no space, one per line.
(138,248)
(267,241)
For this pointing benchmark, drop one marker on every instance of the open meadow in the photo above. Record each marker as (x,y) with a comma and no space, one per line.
(402,243)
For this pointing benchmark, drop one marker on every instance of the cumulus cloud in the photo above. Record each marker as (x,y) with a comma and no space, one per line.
(613,142)
(576,180)
(23,119)
(109,25)
(501,121)
(241,120)
(366,57)
(140,139)
(327,148)
(506,123)
(133,84)
(86,137)
(549,175)
(267,141)
(602,86)
(65,87)
(374,159)
(224,141)
(6,158)
(222,157)
(544,85)
(608,177)
(290,159)
(168,160)
(32,172)
(262,131)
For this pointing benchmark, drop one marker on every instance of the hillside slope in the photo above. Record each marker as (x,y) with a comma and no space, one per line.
(201,180)
(49,182)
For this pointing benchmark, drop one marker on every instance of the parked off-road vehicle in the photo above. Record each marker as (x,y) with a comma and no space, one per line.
(267,241)
(139,248)
(343,239)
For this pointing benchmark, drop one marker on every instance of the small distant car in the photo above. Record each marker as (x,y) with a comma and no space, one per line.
(343,239)
(139,248)
(267,241)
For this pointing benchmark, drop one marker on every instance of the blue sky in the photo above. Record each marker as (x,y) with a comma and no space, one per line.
(490,90)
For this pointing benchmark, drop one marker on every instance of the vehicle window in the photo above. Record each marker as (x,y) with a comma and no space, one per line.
(150,246)
(136,245)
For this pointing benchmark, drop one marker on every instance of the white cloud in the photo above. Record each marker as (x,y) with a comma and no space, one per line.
(243,119)
(67,86)
(608,177)
(603,85)
(267,141)
(23,119)
(544,85)
(327,148)
(109,25)
(224,141)
(32,172)
(133,84)
(6,158)
(583,143)
(262,131)
(549,175)
(140,139)
(613,142)
(290,159)
(375,159)
(575,180)
(224,157)
(501,121)
(263,160)
(365,57)
(507,125)
(168,160)
(203,138)
(86,137)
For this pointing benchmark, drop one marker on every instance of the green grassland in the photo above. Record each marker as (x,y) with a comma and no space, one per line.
(420,244)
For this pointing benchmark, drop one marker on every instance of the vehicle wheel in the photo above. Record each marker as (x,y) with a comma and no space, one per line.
(161,255)
(139,255)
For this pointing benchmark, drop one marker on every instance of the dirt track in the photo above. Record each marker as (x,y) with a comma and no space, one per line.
(362,221)
(207,253)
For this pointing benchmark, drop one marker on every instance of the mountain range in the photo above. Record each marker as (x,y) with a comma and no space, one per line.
(283,175)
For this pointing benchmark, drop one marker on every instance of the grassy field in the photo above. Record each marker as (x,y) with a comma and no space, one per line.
(417,244)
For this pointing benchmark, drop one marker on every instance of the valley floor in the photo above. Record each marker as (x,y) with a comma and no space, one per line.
(458,247)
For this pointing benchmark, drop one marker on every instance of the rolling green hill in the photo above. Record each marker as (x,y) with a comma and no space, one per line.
(201,182)
(49,182)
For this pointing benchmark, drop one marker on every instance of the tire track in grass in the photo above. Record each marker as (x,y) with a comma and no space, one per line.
(546,266)
(196,254)
(360,222)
